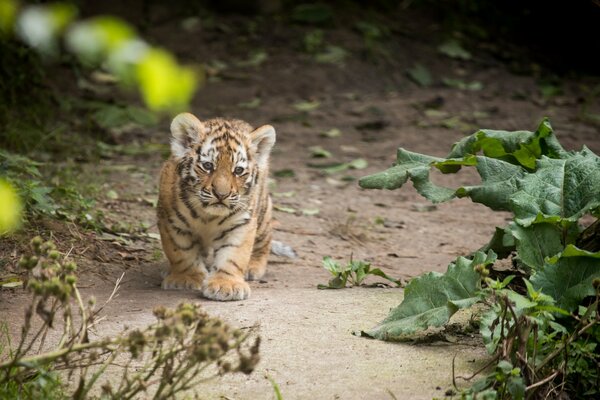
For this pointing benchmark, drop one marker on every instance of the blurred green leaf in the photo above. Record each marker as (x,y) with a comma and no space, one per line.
(39,26)
(310,211)
(420,75)
(111,194)
(251,104)
(112,116)
(312,13)
(453,49)
(306,106)
(284,173)
(462,85)
(255,60)
(319,152)
(332,55)
(332,133)
(92,40)
(313,41)
(359,163)
(285,209)
(8,12)
(164,84)
(10,212)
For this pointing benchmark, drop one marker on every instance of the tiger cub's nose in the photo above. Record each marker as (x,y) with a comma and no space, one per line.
(220,195)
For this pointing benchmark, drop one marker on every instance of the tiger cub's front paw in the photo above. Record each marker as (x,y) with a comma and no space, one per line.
(183,281)
(226,288)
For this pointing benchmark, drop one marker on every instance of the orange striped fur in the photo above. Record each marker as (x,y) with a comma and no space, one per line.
(214,209)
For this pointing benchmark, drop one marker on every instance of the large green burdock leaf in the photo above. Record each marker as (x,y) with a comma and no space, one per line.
(535,243)
(414,166)
(528,173)
(568,277)
(498,183)
(561,190)
(431,299)
(519,147)
(507,158)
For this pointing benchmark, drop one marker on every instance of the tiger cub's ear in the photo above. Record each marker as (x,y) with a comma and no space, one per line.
(187,130)
(263,139)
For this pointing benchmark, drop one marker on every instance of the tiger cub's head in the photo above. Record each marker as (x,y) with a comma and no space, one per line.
(219,161)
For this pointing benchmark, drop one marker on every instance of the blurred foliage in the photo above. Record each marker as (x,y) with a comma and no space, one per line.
(102,42)
(26,188)
(10,212)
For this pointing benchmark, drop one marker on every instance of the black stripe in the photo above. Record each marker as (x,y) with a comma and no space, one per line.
(177,246)
(184,197)
(264,235)
(227,217)
(225,272)
(235,265)
(187,268)
(181,217)
(261,250)
(261,216)
(226,231)
(180,231)
(256,176)
(184,165)
(223,246)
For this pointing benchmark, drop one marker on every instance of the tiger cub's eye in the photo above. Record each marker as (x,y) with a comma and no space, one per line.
(238,170)
(207,166)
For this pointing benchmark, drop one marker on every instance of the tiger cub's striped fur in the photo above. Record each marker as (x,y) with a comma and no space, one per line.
(214,209)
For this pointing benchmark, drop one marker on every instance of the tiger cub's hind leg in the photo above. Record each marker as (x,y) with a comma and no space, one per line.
(258,265)
(262,243)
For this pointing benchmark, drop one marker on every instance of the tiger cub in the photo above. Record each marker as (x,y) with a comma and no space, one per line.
(214,208)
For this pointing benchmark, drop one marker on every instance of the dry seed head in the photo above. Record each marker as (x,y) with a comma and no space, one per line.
(71,279)
(71,266)
(33,261)
(54,254)
(160,312)
(24,262)
(37,241)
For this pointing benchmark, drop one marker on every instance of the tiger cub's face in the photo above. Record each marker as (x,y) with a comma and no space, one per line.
(219,161)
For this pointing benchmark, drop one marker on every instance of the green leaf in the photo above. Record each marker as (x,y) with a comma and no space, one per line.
(536,242)
(256,59)
(165,85)
(251,104)
(420,75)
(284,173)
(431,299)
(10,212)
(561,190)
(332,266)
(331,133)
(312,13)
(285,209)
(310,211)
(332,55)
(462,85)
(453,49)
(518,147)
(307,106)
(319,152)
(568,277)
(499,183)
(414,166)
(381,274)
(502,243)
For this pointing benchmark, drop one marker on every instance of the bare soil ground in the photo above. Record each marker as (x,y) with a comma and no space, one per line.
(308,347)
